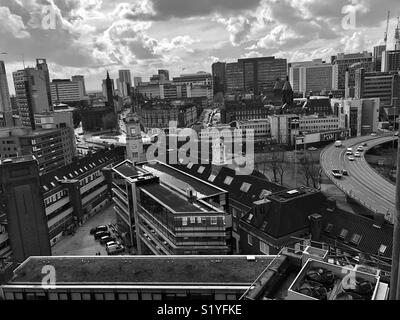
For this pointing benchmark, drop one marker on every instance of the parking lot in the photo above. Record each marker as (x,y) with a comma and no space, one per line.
(82,242)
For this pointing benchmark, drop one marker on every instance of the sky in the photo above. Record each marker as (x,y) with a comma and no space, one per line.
(89,37)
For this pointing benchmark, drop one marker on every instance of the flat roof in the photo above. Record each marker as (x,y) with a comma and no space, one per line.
(173,200)
(127,169)
(160,270)
(181,180)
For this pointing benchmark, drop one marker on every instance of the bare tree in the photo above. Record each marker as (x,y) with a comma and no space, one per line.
(276,163)
(309,169)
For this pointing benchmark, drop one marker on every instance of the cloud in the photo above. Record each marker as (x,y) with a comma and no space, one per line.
(13,24)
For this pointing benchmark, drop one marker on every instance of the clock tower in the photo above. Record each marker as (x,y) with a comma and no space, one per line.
(134,143)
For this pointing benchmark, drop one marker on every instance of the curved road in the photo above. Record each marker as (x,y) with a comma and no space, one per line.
(363,184)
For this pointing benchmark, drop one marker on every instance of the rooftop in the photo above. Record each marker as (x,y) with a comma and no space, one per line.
(178,203)
(181,179)
(17,160)
(144,270)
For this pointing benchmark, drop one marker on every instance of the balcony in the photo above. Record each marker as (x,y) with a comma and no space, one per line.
(60,217)
(93,195)
(92,184)
(55,206)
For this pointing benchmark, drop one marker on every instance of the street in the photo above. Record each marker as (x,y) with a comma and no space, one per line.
(82,242)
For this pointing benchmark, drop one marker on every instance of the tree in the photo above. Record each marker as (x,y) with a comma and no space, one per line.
(110,121)
(276,163)
(309,169)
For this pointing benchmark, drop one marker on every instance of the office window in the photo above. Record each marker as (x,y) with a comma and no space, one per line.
(213,220)
(192,219)
(184,221)
(264,248)
(250,217)
(249,239)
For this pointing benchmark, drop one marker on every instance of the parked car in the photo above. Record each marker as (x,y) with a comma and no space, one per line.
(338,144)
(111,243)
(101,234)
(345,173)
(364,144)
(115,249)
(373,134)
(106,239)
(98,229)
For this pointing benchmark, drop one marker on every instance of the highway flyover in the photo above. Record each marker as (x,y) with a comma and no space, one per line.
(363,183)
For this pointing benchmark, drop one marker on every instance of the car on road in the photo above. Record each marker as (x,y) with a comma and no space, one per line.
(351,158)
(338,144)
(98,229)
(345,173)
(396,134)
(312,149)
(337,173)
(360,148)
(373,134)
(106,239)
(349,153)
(101,234)
(364,144)
(357,154)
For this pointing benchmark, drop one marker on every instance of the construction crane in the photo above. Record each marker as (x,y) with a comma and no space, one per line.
(387,29)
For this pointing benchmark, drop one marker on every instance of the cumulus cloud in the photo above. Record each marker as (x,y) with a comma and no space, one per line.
(13,24)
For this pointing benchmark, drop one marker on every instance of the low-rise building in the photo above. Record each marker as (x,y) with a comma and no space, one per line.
(164,211)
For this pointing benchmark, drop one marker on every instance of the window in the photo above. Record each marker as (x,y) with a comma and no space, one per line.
(264,248)
(343,234)
(184,221)
(190,165)
(234,212)
(228,180)
(201,169)
(211,178)
(213,220)
(245,187)
(356,239)
(192,219)
(382,249)
(249,239)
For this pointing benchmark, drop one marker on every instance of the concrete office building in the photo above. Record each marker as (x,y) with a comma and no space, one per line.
(343,62)
(124,83)
(200,78)
(26,219)
(159,217)
(65,91)
(234,77)
(80,79)
(41,64)
(391,61)
(315,123)
(382,85)
(137,81)
(378,54)
(219,77)
(31,93)
(6,112)
(360,116)
(260,74)
(314,76)
(284,128)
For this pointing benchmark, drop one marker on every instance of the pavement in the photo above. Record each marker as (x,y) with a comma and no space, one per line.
(82,243)
(363,184)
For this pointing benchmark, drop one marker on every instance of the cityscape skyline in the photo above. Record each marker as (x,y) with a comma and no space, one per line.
(147,35)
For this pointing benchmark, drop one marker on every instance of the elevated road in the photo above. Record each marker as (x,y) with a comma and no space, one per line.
(363,183)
